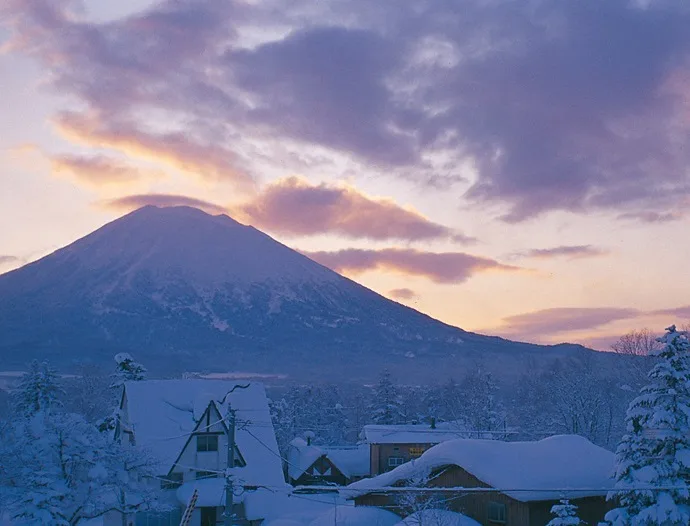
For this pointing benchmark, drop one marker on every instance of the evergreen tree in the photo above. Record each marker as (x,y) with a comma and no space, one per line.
(386,406)
(655,452)
(38,390)
(565,514)
(127,370)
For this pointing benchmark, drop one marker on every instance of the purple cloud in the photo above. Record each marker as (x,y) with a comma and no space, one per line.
(568,251)
(443,267)
(293,206)
(678,312)
(132,202)
(557,105)
(562,319)
(402,294)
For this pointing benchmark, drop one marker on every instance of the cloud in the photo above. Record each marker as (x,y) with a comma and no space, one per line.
(9,262)
(293,206)
(97,170)
(556,105)
(561,320)
(443,267)
(132,202)
(679,312)
(402,294)
(177,150)
(8,259)
(569,251)
(651,217)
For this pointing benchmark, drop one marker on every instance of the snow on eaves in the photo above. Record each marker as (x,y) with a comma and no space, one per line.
(562,466)
(161,414)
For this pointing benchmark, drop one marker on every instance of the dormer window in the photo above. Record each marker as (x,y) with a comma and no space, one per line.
(207,442)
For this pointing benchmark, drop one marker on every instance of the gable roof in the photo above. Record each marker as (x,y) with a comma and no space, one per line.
(563,466)
(415,433)
(351,461)
(163,413)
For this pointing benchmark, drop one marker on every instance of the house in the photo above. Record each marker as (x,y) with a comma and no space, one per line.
(393,445)
(516,482)
(183,424)
(340,465)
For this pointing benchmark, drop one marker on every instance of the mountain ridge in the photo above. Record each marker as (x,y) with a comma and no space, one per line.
(185,290)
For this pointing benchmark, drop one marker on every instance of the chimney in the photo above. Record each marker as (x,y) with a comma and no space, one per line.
(433,422)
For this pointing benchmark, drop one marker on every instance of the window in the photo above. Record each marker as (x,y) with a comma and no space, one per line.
(416,451)
(395,461)
(207,442)
(205,475)
(497,512)
(172,481)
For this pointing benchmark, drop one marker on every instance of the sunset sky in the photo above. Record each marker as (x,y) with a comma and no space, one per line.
(518,168)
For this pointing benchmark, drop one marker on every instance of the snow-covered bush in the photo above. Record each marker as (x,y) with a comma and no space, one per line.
(565,514)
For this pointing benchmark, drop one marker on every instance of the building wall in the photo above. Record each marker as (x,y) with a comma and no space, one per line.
(476,505)
(308,478)
(380,453)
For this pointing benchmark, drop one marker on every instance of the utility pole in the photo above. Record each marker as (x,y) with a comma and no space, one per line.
(231,465)
(231,422)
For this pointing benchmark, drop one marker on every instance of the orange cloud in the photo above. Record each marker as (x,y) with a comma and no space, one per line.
(293,206)
(173,149)
(132,202)
(97,170)
(444,267)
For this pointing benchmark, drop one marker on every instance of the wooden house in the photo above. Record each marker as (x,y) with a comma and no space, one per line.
(184,426)
(393,445)
(310,464)
(512,483)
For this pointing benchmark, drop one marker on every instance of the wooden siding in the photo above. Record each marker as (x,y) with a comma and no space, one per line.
(381,452)
(476,505)
(321,464)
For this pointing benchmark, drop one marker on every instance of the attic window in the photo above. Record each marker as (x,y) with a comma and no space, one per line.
(207,442)
(497,512)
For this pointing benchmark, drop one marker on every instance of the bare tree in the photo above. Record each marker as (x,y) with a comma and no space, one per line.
(637,343)
(637,347)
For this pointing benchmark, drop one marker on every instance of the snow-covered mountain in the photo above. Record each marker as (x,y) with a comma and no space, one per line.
(184,290)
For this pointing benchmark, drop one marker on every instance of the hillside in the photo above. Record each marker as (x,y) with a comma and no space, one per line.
(184,290)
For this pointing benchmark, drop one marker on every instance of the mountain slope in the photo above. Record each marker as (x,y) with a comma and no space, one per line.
(183,290)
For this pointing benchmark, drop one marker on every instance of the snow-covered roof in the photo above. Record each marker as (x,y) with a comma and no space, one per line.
(279,507)
(562,466)
(352,461)
(414,433)
(161,414)
(437,518)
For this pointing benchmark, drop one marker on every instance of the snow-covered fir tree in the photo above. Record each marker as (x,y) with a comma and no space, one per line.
(38,390)
(565,514)
(386,404)
(127,370)
(58,469)
(653,459)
